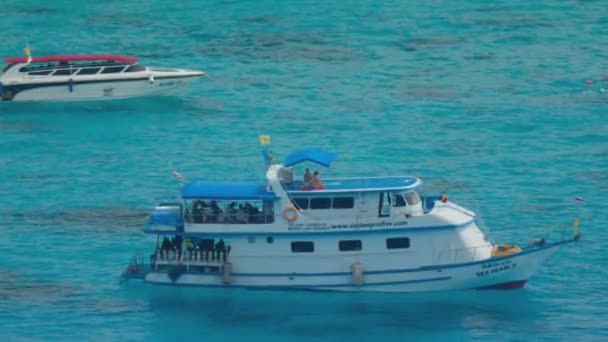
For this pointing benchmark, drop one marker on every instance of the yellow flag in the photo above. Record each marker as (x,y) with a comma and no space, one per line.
(27,51)
(264,139)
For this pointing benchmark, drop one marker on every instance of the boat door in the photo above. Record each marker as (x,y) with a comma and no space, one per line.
(384,204)
(399,206)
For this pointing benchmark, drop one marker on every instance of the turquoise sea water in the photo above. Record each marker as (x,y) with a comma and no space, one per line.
(485,100)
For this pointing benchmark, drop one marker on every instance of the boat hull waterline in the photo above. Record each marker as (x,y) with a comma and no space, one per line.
(495,273)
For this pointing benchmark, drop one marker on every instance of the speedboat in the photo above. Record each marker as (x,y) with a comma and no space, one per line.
(86,77)
(344,234)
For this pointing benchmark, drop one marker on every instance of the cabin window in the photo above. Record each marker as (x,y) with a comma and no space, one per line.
(301,203)
(320,203)
(40,73)
(302,247)
(135,68)
(5,69)
(343,203)
(398,243)
(412,198)
(398,201)
(64,72)
(89,71)
(230,212)
(349,245)
(112,70)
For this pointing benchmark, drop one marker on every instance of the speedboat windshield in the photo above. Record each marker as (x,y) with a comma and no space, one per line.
(5,69)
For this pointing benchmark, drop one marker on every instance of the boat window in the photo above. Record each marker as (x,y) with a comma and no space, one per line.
(343,203)
(230,212)
(8,66)
(302,247)
(349,245)
(301,203)
(40,73)
(112,70)
(398,243)
(398,201)
(89,71)
(320,203)
(412,198)
(135,68)
(64,72)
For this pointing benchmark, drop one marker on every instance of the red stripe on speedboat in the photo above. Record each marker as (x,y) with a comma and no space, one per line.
(72,58)
(505,286)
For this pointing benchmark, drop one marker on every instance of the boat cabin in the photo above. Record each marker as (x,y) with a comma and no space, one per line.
(285,198)
(77,65)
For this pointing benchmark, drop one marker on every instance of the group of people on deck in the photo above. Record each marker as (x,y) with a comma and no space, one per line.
(212,213)
(196,249)
(312,181)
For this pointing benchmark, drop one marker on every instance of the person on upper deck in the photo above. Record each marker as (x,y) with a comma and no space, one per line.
(316,182)
(215,211)
(307,178)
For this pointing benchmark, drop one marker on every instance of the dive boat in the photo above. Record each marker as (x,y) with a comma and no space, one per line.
(348,234)
(86,77)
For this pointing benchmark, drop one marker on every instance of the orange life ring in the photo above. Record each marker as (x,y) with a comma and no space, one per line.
(290,214)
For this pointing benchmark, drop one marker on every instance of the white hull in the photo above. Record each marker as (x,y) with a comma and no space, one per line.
(108,90)
(507,272)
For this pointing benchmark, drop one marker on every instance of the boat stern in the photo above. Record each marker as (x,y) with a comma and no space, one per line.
(137,269)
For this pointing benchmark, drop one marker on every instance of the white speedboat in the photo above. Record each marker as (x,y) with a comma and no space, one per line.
(348,234)
(86,77)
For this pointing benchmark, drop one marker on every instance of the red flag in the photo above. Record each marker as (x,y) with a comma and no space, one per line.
(178,175)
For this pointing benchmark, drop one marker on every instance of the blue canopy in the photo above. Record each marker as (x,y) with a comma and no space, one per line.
(165,215)
(226,191)
(164,218)
(313,155)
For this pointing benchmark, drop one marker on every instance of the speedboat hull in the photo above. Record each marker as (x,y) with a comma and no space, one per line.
(95,90)
(86,77)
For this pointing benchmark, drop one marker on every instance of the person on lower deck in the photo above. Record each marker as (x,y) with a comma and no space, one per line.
(176,246)
(165,247)
(189,245)
(220,248)
(206,247)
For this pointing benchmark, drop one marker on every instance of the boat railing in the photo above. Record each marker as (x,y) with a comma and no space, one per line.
(137,268)
(208,258)
(461,255)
